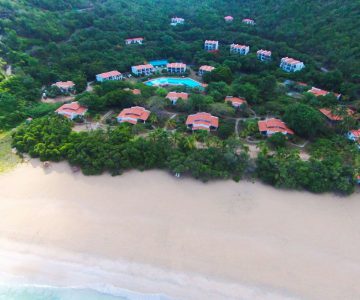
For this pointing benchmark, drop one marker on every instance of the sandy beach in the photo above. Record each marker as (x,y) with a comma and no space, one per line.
(152,233)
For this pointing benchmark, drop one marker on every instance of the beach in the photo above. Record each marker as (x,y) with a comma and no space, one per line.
(152,233)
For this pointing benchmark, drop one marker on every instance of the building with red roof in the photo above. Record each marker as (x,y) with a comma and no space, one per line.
(137,40)
(133,115)
(177,21)
(239,49)
(112,75)
(65,86)
(143,70)
(291,65)
(271,126)
(228,19)
(319,92)
(211,46)
(174,96)
(235,101)
(263,55)
(176,68)
(354,135)
(202,121)
(248,21)
(134,91)
(71,110)
(333,116)
(205,69)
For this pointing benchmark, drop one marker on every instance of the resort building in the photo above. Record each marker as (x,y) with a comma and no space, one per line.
(176,68)
(332,116)
(205,69)
(211,46)
(174,96)
(263,55)
(133,91)
(159,64)
(319,92)
(354,135)
(271,126)
(291,65)
(65,86)
(228,19)
(239,49)
(143,70)
(235,101)
(202,121)
(133,115)
(248,21)
(177,21)
(138,40)
(112,75)
(71,110)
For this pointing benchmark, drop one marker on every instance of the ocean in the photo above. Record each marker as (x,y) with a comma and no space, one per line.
(33,292)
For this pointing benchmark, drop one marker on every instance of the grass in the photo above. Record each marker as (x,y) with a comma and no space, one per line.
(8,159)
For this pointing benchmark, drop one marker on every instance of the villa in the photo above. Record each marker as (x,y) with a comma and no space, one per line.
(271,126)
(205,69)
(228,19)
(159,64)
(239,49)
(71,110)
(235,101)
(177,21)
(202,121)
(174,96)
(65,86)
(112,75)
(211,46)
(138,40)
(263,55)
(354,135)
(291,65)
(319,92)
(133,115)
(248,21)
(143,70)
(176,68)
(332,116)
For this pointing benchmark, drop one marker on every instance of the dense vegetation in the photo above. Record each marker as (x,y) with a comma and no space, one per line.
(45,41)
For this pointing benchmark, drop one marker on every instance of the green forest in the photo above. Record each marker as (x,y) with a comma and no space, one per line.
(45,41)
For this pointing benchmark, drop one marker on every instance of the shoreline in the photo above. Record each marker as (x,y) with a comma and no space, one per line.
(244,239)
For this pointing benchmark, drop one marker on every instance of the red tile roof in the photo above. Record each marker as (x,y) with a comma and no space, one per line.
(135,39)
(133,114)
(290,61)
(319,92)
(235,101)
(264,52)
(248,20)
(274,125)
(109,74)
(64,84)
(334,117)
(141,67)
(176,65)
(237,46)
(71,108)
(202,120)
(228,18)
(206,68)
(176,95)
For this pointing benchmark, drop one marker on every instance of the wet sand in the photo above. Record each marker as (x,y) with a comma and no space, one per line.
(153,233)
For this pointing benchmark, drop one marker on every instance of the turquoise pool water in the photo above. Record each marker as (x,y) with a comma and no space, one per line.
(174,81)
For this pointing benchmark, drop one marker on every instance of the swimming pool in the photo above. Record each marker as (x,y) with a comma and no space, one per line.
(163,81)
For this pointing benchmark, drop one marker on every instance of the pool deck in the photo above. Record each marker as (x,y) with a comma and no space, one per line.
(199,84)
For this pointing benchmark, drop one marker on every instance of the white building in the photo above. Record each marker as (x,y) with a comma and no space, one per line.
(177,21)
(143,70)
(138,40)
(211,46)
(248,21)
(205,69)
(112,75)
(291,65)
(239,49)
(176,68)
(263,55)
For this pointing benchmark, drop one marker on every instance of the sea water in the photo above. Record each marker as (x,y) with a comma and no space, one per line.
(33,292)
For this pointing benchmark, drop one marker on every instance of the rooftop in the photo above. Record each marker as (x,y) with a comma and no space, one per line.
(274,125)
(72,108)
(202,120)
(109,74)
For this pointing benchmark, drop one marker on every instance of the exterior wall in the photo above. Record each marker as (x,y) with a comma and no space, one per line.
(291,67)
(144,72)
(176,70)
(241,51)
(211,47)
(134,42)
(263,57)
(101,79)
(71,116)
